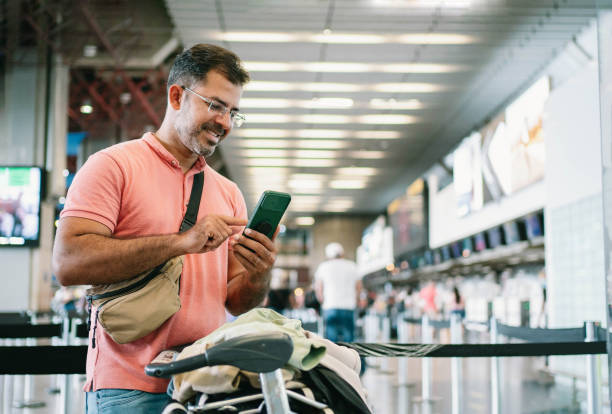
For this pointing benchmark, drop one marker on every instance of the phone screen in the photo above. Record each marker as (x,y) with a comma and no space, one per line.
(268,212)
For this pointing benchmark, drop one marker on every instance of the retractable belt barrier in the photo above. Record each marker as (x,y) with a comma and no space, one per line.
(544,335)
(71,359)
(588,340)
(476,350)
(20,360)
(43,360)
(29,330)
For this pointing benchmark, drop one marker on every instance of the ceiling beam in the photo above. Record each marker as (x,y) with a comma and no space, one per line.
(91,89)
(136,92)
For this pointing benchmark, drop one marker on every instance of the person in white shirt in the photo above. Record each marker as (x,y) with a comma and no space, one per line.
(337,284)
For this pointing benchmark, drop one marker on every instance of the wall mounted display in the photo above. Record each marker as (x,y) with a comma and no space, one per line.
(467,175)
(407,217)
(480,242)
(516,150)
(20,196)
(494,237)
(534,225)
(376,249)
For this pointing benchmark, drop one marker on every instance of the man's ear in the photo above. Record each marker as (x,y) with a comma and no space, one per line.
(175,93)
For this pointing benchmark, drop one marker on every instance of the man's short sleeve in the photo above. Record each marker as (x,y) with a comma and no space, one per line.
(95,192)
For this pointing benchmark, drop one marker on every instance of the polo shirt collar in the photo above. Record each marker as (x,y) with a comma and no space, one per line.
(165,155)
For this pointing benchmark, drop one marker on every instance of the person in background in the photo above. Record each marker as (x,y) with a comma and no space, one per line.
(337,283)
(428,299)
(542,320)
(457,305)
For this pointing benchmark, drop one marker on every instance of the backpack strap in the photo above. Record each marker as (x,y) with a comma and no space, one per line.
(191,215)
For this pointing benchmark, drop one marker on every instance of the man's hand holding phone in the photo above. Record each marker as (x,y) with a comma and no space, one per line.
(255,251)
(255,247)
(210,232)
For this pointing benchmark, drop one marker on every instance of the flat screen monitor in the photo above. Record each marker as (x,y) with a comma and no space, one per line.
(534,226)
(20,196)
(445,253)
(479,242)
(494,237)
(407,217)
(437,256)
(429,259)
(467,247)
(456,250)
(511,232)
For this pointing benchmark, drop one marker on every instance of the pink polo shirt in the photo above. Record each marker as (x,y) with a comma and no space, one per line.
(137,188)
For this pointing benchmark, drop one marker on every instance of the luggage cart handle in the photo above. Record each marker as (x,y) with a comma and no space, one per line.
(256,353)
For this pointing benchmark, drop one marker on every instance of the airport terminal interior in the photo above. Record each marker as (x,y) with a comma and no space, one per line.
(456,155)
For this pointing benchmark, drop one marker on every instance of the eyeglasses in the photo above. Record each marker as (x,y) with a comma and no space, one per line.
(217,107)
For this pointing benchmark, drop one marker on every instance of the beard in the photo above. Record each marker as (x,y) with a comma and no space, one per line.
(191,138)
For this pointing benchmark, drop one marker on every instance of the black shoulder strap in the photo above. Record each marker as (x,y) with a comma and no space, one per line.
(191,215)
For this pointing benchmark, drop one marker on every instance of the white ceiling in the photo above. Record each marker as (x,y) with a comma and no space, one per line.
(502,47)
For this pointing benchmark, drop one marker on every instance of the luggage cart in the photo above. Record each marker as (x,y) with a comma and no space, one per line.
(262,354)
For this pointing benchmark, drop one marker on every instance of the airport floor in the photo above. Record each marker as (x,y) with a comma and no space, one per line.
(523,389)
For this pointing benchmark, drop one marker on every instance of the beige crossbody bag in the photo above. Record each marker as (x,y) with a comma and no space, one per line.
(133,308)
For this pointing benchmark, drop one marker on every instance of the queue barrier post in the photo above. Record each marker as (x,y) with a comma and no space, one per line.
(456,367)
(403,336)
(385,365)
(371,334)
(495,373)
(427,337)
(24,384)
(320,326)
(426,398)
(8,380)
(593,377)
(65,387)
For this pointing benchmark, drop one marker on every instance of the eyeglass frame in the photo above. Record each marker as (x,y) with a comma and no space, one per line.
(238,118)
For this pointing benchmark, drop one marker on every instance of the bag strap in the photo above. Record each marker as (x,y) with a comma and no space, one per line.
(191,215)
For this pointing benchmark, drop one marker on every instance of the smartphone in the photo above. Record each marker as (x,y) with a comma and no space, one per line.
(268,212)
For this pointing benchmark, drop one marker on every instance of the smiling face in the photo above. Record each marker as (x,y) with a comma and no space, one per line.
(199,129)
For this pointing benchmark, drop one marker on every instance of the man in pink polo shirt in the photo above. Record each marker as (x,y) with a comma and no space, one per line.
(122,216)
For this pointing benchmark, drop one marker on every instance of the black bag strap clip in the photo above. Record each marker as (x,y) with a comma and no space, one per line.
(191,216)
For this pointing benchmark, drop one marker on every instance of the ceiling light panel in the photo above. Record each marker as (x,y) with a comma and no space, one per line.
(283,153)
(329,103)
(315,133)
(352,67)
(268,153)
(284,162)
(347,184)
(370,155)
(341,38)
(394,104)
(406,87)
(357,171)
(377,119)
(286,144)
(304,221)
(323,103)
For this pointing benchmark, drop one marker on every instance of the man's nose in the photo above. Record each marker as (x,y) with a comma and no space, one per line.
(225,120)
